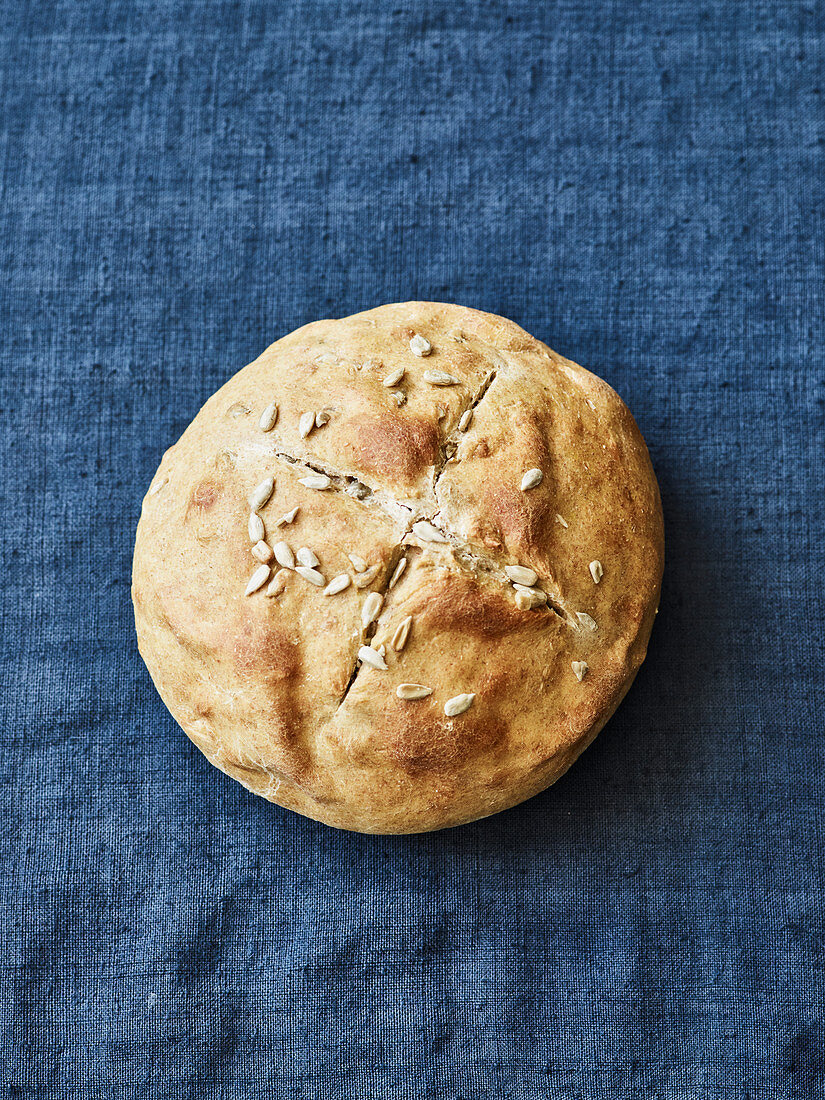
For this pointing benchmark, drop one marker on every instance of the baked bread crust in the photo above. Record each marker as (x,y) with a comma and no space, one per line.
(270,687)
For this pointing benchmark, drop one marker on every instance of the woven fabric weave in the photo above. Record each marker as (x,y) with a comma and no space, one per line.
(640,185)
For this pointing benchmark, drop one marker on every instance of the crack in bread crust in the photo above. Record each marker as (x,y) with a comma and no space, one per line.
(452,438)
(466,553)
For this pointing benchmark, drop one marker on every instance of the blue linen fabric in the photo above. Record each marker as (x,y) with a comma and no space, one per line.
(638,184)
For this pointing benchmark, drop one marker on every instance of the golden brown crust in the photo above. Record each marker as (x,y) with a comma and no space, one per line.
(271,688)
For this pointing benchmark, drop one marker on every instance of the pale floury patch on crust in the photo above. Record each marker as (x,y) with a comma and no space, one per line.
(425,659)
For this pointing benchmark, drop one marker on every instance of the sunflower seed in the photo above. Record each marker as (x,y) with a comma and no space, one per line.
(527,599)
(363,580)
(278,583)
(370,657)
(402,633)
(596,571)
(156,488)
(590,403)
(258,579)
(399,569)
(520,574)
(323,417)
(306,424)
(316,481)
(586,620)
(337,584)
(394,377)
(262,494)
(538,597)
(283,555)
(287,517)
(427,532)
(413,691)
(358,563)
(580,669)
(371,608)
(440,378)
(268,418)
(399,397)
(562,520)
(311,575)
(262,552)
(531,479)
(458,705)
(306,557)
(256,528)
(420,345)
(466,420)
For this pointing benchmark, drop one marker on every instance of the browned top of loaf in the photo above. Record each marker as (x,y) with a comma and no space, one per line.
(270,687)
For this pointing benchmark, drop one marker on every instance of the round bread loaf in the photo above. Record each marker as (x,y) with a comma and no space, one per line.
(399,571)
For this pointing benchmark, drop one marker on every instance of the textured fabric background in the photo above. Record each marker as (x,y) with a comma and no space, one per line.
(639,184)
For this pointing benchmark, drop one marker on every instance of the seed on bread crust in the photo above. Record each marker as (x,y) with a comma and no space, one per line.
(371,608)
(337,584)
(288,517)
(269,418)
(372,657)
(580,669)
(311,575)
(402,633)
(420,345)
(262,493)
(256,528)
(441,378)
(278,583)
(413,691)
(394,377)
(365,579)
(283,555)
(262,551)
(315,481)
(521,574)
(399,569)
(427,532)
(258,579)
(596,571)
(531,480)
(458,704)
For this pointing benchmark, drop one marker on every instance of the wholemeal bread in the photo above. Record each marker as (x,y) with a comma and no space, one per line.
(399,571)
